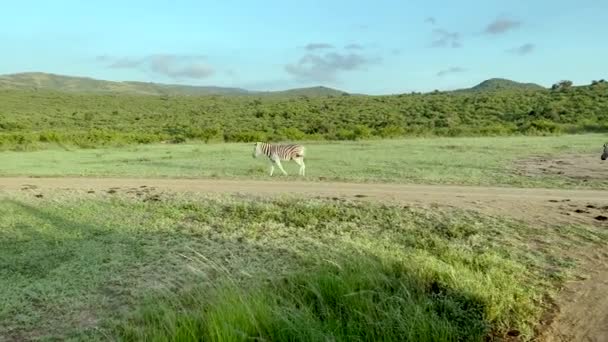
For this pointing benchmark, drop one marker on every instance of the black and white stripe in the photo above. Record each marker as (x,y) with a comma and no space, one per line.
(278,152)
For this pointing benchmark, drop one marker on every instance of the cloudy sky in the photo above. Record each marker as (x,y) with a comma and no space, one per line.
(374,47)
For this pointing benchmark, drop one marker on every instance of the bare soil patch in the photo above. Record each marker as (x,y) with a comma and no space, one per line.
(580,167)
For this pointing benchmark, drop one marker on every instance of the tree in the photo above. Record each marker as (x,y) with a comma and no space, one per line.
(562,85)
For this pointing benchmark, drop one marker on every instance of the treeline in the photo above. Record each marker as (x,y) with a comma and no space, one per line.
(87,120)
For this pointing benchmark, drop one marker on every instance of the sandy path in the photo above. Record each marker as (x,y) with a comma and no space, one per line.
(584,304)
(535,205)
(380,191)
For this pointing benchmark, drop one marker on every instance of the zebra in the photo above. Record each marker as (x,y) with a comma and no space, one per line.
(605,154)
(276,153)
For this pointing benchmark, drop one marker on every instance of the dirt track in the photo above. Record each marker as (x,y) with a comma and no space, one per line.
(534,205)
(380,191)
(584,313)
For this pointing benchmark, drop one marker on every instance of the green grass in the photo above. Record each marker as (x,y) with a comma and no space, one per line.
(99,267)
(472,161)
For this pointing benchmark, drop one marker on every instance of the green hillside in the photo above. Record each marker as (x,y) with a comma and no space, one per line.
(45,81)
(312,91)
(497,84)
(30,117)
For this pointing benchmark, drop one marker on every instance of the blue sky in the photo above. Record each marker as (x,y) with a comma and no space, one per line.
(369,47)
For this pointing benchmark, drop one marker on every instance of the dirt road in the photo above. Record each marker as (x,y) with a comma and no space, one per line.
(535,205)
(584,305)
(379,191)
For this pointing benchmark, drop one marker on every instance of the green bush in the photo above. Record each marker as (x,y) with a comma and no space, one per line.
(362,132)
(246,136)
(391,131)
(292,133)
(51,137)
(345,134)
(541,127)
(66,117)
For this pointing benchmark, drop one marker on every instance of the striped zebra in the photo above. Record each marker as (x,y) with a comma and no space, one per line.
(605,154)
(276,153)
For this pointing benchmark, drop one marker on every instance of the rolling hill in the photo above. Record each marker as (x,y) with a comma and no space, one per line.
(46,81)
(98,118)
(497,84)
(72,84)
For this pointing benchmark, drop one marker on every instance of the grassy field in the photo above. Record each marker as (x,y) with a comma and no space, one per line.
(473,161)
(180,266)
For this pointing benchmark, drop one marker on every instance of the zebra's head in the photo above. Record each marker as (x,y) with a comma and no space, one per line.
(256,150)
(605,154)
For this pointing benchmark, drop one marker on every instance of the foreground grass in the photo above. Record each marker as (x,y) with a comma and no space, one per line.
(178,268)
(472,161)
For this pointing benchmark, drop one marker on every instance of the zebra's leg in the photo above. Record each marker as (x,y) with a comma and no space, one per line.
(271,167)
(281,167)
(300,161)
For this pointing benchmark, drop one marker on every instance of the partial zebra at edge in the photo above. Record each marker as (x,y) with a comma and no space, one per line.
(281,152)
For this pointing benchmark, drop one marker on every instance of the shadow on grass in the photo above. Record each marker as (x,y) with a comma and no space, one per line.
(339,295)
(39,249)
(364,299)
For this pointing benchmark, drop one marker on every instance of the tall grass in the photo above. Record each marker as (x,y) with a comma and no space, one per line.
(188,267)
(359,299)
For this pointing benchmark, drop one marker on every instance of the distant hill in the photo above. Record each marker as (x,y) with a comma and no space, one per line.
(495,84)
(312,91)
(29,117)
(45,81)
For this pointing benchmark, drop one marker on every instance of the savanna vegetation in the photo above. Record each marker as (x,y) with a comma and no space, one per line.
(186,267)
(142,265)
(32,117)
